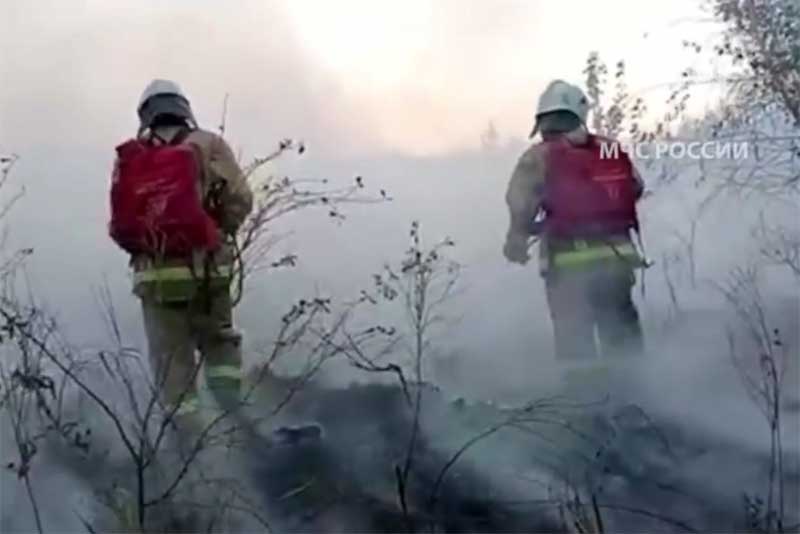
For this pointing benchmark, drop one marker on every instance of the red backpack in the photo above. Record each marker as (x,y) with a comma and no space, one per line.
(156,205)
(590,190)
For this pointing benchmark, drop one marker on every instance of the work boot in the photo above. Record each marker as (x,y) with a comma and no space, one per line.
(186,430)
(587,384)
(192,421)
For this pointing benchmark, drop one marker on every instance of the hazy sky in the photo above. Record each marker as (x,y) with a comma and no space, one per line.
(352,76)
(397,91)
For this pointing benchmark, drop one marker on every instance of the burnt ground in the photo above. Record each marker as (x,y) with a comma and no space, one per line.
(645,474)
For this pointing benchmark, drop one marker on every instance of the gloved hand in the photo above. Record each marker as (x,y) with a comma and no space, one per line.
(544,266)
(516,249)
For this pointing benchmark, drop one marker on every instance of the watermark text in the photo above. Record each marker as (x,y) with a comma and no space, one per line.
(677,150)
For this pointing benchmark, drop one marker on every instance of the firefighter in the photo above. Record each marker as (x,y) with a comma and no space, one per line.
(577,193)
(185,297)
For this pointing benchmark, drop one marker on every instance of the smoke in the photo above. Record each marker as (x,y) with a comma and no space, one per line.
(497,343)
(71,99)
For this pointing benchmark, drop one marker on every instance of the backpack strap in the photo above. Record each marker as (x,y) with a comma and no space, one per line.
(181,136)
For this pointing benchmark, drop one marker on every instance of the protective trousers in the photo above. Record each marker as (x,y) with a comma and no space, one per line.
(176,331)
(594,298)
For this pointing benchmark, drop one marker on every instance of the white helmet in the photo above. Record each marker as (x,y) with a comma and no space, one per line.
(562,96)
(163,98)
(160,87)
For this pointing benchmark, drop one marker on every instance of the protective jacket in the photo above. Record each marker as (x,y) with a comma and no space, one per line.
(176,279)
(566,240)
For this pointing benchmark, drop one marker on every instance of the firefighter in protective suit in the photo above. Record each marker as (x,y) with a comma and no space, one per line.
(582,209)
(186,304)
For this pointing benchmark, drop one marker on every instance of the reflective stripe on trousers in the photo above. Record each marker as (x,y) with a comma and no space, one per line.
(189,405)
(224,376)
(225,384)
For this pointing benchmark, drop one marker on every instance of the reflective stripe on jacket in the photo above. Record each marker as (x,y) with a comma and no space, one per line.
(581,255)
(174,284)
(170,274)
(190,405)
